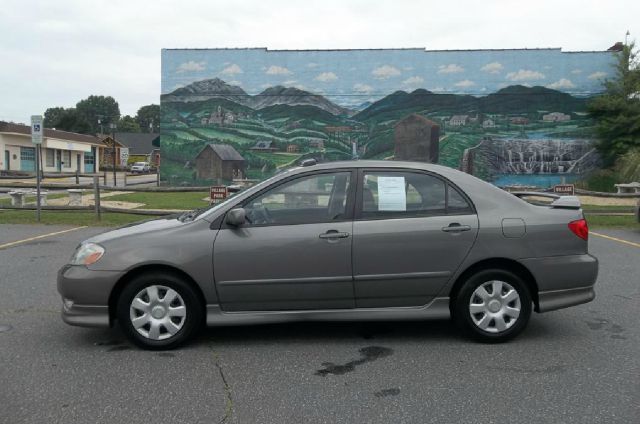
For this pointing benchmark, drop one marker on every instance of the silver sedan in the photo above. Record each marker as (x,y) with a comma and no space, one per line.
(341,241)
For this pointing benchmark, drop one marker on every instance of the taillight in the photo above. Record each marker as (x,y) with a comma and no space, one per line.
(580,228)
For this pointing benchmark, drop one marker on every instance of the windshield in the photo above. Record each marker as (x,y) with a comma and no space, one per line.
(139,164)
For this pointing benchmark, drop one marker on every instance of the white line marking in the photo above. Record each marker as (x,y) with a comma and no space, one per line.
(630,243)
(14,243)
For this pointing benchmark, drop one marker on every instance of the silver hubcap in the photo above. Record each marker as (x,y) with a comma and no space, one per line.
(494,306)
(157,312)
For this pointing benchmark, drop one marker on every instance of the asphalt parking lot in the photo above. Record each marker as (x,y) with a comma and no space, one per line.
(578,365)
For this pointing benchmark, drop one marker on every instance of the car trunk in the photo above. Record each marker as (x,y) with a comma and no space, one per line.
(558,227)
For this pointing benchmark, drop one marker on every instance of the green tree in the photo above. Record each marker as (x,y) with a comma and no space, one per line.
(148,118)
(66,120)
(99,108)
(128,124)
(52,115)
(617,111)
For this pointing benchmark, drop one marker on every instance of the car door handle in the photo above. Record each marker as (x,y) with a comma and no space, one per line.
(333,234)
(456,228)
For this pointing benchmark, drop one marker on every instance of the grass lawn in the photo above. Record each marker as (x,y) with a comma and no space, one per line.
(178,200)
(68,218)
(602,221)
(607,208)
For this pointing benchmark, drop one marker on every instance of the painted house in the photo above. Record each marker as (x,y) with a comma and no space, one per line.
(62,151)
(488,123)
(459,120)
(220,162)
(556,117)
(263,146)
(519,120)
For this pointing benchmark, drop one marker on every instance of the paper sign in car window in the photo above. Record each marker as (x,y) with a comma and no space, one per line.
(391,194)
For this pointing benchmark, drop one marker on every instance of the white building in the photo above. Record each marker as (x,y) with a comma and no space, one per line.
(488,123)
(61,151)
(556,117)
(459,120)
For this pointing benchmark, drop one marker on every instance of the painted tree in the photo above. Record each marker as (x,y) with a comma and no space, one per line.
(617,111)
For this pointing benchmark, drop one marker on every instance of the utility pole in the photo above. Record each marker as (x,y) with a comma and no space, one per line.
(113,140)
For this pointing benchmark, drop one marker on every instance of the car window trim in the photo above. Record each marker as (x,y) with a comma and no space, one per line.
(349,206)
(360,188)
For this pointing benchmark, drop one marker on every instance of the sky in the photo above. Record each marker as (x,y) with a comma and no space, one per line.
(56,53)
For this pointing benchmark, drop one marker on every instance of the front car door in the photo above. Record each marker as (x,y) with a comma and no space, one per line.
(295,250)
(412,230)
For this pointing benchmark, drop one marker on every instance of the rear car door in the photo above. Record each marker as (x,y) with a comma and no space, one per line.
(295,251)
(411,232)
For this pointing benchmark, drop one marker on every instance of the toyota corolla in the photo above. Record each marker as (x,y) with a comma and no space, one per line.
(341,241)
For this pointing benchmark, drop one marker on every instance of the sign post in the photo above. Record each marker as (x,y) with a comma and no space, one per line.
(36,138)
(564,189)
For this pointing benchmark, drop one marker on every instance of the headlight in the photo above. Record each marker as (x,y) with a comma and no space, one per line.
(87,254)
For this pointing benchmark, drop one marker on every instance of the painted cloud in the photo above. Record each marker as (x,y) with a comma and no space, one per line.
(451,68)
(386,71)
(492,68)
(191,66)
(278,70)
(525,75)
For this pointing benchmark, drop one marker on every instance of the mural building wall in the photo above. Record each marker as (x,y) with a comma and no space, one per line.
(508,116)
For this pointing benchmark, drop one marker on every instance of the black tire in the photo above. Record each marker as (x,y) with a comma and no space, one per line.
(492,334)
(190,323)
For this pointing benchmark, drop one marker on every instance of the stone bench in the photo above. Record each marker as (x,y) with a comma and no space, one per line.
(43,196)
(75,197)
(17,198)
(628,188)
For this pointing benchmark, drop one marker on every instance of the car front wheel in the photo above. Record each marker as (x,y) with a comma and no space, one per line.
(159,311)
(493,306)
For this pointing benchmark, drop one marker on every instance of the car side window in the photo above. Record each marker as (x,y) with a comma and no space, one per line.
(402,194)
(456,203)
(305,200)
(409,194)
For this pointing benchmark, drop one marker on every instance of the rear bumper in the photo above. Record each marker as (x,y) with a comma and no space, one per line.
(558,299)
(563,281)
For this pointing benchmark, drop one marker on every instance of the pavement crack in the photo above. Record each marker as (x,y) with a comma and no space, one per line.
(228,412)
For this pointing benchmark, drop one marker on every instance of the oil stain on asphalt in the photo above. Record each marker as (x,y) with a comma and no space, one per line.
(367,354)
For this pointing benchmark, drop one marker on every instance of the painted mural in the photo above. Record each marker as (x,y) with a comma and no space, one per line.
(513,117)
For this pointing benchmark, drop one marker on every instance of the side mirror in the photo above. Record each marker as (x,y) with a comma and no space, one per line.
(236,217)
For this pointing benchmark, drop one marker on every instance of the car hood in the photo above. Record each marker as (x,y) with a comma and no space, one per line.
(137,229)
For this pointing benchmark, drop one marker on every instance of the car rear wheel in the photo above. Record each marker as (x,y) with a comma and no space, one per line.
(493,306)
(159,311)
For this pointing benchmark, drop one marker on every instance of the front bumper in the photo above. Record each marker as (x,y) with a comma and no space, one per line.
(85,295)
(85,316)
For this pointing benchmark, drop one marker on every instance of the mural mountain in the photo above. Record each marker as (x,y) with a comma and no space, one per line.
(281,125)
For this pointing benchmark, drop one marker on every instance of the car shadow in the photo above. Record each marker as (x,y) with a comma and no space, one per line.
(436,331)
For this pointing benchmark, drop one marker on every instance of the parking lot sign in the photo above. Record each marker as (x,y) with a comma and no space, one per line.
(36,129)
(218,193)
